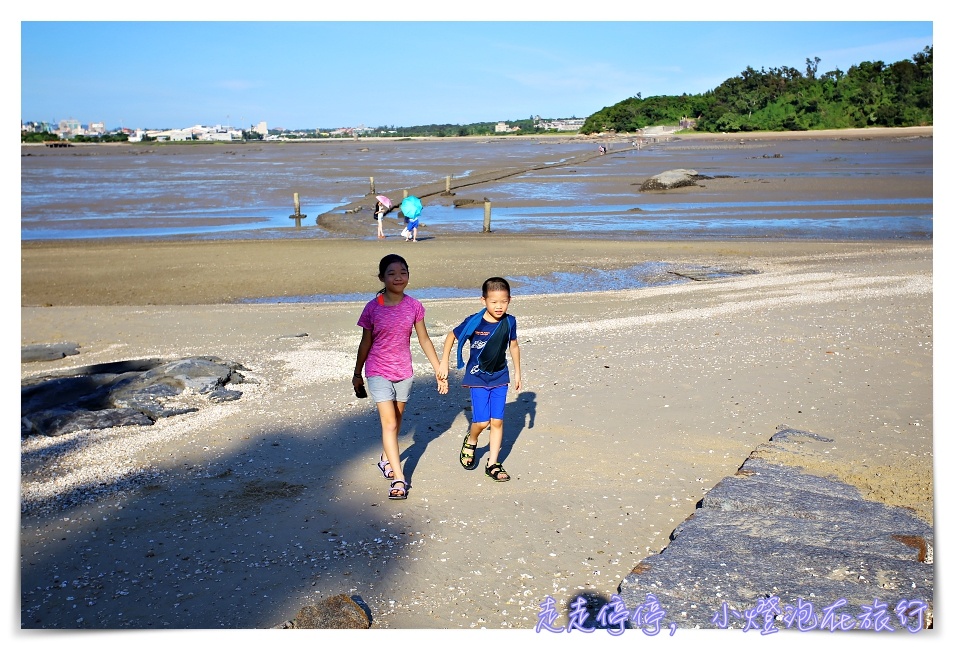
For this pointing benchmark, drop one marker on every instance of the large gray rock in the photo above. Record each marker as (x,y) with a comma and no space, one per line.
(136,392)
(670,180)
(774,541)
(60,421)
(47,351)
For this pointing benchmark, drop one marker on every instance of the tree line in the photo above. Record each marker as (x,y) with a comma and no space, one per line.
(42,136)
(785,99)
(454,130)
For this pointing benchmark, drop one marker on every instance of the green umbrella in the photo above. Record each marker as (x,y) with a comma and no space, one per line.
(411,207)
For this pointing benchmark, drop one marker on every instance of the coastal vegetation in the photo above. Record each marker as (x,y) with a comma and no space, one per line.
(39,136)
(521,127)
(106,137)
(786,99)
(46,136)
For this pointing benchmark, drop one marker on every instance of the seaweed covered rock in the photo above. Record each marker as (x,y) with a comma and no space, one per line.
(135,392)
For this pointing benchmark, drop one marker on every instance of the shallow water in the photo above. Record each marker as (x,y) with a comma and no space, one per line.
(640,276)
(245,190)
(852,219)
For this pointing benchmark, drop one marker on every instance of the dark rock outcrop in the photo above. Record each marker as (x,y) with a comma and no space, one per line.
(135,392)
(47,351)
(772,541)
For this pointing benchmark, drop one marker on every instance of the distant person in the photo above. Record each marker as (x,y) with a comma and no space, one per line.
(385,355)
(491,332)
(602,150)
(379,211)
(410,229)
(411,208)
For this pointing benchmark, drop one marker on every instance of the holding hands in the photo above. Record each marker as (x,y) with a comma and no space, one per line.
(441,375)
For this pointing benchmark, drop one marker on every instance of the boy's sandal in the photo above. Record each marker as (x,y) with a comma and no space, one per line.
(399,492)
(464,455)
(494,471)
(385,466)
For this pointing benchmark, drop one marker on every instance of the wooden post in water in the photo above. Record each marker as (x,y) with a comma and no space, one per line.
(405,194)
(298,216)
(447,185)
(486,215)
(372,185)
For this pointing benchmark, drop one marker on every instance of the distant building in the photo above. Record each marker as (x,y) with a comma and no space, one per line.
(503,127)
(261,127)
(69,128)
(349,131)
(180,135)
(567,124)
(36,127)
(222,136)
(217,133)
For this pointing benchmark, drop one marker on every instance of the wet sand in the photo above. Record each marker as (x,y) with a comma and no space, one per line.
(635,403)
(155,187)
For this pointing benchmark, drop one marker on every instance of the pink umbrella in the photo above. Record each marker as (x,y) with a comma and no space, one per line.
(385,201)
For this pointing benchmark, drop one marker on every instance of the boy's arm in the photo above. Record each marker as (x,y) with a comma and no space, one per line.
(431,354)
(515,355)
(445,353)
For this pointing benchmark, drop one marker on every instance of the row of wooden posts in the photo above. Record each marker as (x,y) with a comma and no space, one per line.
(298,216)
(446,186)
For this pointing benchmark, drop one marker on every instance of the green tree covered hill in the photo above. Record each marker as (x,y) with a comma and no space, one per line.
(785,99)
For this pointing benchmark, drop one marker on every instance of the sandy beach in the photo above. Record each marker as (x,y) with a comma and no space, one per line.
(635,403)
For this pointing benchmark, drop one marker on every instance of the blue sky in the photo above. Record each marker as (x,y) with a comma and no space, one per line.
(407,71)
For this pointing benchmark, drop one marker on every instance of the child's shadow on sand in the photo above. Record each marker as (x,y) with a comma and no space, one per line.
(519,414)
(434,422)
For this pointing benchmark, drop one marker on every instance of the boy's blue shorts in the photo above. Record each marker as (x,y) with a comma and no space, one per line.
(488,403)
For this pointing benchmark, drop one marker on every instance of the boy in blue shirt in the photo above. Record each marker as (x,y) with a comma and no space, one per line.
(491,332)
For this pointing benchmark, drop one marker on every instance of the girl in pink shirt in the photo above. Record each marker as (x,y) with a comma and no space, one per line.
(385,355)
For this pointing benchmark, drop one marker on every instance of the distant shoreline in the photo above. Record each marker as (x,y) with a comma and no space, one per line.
(901,131)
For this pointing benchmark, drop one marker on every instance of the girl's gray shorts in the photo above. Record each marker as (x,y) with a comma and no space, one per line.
(385,390)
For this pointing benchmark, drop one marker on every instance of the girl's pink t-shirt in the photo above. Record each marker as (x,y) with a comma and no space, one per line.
(391,327)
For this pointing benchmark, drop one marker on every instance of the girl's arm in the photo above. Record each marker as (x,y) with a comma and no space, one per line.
(515,355)
(363,348)
(431,354)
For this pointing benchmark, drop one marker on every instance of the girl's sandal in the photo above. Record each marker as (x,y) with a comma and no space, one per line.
(385,466)
(494,471)
(467,460)
(399,492)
